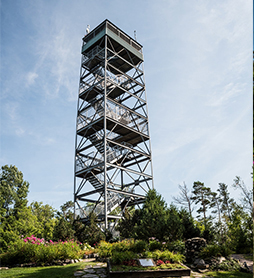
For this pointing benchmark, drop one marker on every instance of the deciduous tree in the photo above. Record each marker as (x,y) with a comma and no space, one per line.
(247,194)
(184,198)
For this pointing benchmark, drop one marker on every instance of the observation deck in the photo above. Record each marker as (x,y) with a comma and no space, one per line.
(121,60)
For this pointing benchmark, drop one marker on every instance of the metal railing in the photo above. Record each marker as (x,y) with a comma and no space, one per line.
(96,51)
(115,112)
(95,158)
(126,38)
(98,80)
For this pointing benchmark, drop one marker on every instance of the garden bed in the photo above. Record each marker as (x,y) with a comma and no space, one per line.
(147,272)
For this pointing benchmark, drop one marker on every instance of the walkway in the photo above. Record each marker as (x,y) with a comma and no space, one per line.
(93,271)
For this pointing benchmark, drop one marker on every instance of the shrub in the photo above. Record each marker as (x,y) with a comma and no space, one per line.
(105,249)
(154,245)
(140,246)
(123,245)
(215,251)
(119,257)
(164,256)
(172,257)
(176,246)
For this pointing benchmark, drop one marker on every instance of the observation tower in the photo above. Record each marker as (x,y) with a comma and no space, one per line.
(113,162)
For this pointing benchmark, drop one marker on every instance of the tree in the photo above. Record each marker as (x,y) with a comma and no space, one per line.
(216,201)
(227,203)
(157,220)
(14,215)
(90,232)
(247,197)
(202,195)
(126,225)
(46,220)
(240,231)
(153,217)
(67,211)
(174,229)
(184,198)
(189,228)
(13,190)
(64,228)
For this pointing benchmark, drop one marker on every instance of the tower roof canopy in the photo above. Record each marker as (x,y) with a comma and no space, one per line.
(120,38)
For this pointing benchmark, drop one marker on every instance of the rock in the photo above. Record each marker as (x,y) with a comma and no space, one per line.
(90,270)
(201,264)
(90,276)
(192,248)
(199,261)
(203,270)
(78,273)
(221,259)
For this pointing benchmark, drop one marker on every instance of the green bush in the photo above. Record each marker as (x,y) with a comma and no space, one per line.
(164,255)
(123,245)
(172,257)
(213,250)
(119,257)
(105,249)
(140,246)
(154,245)
(176,246)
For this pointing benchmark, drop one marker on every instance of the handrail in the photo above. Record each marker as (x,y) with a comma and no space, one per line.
(115,112)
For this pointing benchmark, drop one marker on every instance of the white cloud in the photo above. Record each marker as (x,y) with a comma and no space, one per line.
(225,95)
(31,77)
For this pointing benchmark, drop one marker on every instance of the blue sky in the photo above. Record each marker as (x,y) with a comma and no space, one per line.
(198,70)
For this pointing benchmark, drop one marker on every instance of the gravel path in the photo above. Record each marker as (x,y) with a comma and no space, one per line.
(241,259)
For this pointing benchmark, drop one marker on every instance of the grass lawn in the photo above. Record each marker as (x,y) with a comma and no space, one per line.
(43,272)
(68,271)
(229,274)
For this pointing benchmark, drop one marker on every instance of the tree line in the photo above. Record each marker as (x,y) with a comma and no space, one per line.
(218,217)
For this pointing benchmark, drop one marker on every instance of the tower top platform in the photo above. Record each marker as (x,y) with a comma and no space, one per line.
(120,37)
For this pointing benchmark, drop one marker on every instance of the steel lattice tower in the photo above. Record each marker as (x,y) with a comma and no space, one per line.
(113,164)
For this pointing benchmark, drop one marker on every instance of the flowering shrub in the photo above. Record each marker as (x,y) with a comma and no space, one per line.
(130,263)
(37,250)
(159,262)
